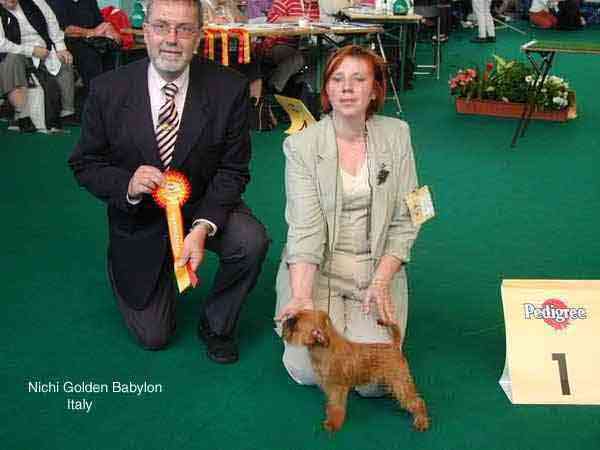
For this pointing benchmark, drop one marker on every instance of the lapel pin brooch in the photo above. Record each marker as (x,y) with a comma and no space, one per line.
(382,174)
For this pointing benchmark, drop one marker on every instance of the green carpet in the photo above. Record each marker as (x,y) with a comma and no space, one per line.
(531,212)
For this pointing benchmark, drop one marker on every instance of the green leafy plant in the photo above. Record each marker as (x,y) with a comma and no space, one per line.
(509,81)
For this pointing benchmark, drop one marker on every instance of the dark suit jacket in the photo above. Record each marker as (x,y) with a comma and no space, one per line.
(117,136)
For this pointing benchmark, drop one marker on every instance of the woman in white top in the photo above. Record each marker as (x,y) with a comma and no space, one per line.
(349,230)
(540,13)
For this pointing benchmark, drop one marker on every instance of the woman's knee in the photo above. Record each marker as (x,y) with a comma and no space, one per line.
(370,390)
(297,363)
(19,62)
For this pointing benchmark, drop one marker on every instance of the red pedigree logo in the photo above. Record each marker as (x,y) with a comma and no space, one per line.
(554,312)
(555,303)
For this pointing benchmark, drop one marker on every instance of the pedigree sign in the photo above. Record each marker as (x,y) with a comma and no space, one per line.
(552,337)
(554,312)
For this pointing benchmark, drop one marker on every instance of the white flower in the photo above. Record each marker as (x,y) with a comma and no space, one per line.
(559,101)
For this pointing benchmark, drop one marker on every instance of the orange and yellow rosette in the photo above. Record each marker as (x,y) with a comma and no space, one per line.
(209,43)
(243,38)
(171,195)
(240,34)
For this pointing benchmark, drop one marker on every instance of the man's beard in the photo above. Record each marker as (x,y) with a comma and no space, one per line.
(169,66)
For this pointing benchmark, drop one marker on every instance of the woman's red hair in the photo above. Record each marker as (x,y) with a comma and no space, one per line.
(375,63)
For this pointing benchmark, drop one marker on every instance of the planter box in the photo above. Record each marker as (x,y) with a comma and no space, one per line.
(504,109)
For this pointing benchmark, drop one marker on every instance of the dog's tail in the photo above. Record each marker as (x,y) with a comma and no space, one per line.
(394,330)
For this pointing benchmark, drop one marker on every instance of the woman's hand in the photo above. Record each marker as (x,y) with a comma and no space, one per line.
(40,52)
(295,305)
(379,293)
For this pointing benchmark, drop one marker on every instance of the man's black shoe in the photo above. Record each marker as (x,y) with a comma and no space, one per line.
(71,120)
(24,125)
(479,40)
(491,39)
(221,349)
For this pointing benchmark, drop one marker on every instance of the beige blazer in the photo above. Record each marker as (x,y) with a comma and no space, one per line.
(314,195)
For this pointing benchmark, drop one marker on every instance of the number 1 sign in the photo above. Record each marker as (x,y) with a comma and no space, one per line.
(552,341)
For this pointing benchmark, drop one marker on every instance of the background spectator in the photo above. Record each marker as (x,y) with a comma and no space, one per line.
(30,38)
(82,19)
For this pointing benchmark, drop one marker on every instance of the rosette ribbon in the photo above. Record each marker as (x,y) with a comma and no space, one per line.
(171,195)
(209,43)
(240,34)
(243,38)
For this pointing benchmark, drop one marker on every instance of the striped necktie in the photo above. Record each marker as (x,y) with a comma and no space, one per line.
(168,125)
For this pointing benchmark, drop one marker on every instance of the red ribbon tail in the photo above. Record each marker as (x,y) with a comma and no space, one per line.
(193,277)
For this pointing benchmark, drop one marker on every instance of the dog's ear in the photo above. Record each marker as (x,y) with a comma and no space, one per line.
(320,337)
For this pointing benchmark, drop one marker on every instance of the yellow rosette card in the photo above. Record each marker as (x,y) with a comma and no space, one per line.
(171,195)
(300,116)
(420,205)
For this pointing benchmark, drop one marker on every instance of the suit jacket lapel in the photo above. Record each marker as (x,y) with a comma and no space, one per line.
(139,117)
(329,179)
(380,161)
(194,117)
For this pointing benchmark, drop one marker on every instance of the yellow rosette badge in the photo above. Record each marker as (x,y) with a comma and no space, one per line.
(171,195)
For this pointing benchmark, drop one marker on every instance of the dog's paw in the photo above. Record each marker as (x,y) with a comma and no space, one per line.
(421,423)
(331,425)
(335,419)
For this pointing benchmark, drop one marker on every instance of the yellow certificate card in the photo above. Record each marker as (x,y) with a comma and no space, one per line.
(420,205)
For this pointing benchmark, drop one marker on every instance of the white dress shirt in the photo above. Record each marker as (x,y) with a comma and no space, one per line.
(29,37)
(157,98)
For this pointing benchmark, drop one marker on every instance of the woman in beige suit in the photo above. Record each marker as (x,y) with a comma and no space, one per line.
(349,230)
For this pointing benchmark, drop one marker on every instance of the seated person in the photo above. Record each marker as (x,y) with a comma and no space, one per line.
(283,52)
(329,8)
(82,19)
(222,11)
(29,33)
(569,15)
(540,13)
(257,10)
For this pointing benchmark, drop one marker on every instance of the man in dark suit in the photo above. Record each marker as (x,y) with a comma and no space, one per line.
(173,111)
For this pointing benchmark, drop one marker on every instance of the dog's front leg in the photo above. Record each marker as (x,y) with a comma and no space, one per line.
(337,396)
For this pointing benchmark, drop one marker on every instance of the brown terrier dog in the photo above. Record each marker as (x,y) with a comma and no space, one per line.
(341,365)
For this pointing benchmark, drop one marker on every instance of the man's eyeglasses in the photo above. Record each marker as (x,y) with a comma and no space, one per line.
(184,31)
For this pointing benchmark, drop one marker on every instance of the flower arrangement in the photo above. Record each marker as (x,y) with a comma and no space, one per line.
(509,81)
